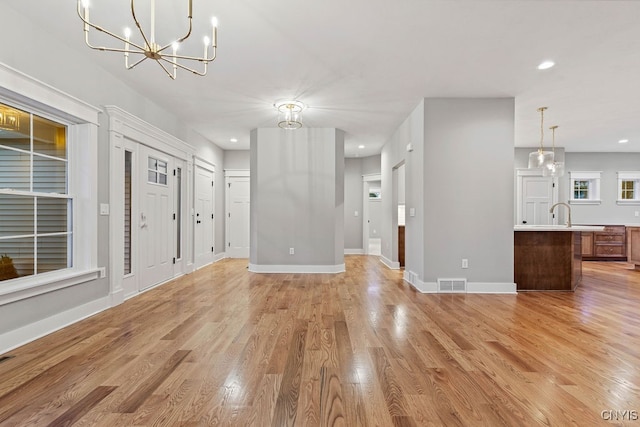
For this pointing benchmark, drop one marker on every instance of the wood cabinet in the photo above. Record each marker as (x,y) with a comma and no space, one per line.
(633,246)
(608,244)
(587,243)
(547,260)
(401,245)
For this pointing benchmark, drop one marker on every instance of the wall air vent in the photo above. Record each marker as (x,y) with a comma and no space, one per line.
(452,285)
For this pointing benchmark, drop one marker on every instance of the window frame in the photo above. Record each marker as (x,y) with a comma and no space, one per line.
(633,176)
(81,121)
(593,190)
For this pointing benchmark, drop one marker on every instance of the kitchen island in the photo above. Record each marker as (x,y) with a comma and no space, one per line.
(548,257)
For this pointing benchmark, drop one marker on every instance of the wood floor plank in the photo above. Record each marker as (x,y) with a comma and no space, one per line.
(223,346)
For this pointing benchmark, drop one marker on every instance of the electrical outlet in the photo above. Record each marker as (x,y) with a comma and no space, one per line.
(291,251)
(465,263)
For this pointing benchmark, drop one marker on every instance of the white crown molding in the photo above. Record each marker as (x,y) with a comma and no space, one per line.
(28,91)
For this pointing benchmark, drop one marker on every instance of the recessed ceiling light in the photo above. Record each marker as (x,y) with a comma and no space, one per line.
(623,141)
(361,146)
(234,140)
(546,65)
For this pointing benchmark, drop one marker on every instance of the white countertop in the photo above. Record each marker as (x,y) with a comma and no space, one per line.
(557,228)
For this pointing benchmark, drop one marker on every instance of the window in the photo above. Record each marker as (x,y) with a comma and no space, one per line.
(35,207)
(157,171)
(585,187)
(629,188)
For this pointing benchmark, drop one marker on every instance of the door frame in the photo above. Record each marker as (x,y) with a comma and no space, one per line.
(366,179)
(229,175)
(520,174)
(127,131)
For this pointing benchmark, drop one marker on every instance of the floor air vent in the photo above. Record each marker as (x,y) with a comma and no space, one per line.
(452,285)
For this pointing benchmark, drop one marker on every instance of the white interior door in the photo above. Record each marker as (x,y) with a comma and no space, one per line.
(537,198)
(203,229)
(156,236)
(238,217)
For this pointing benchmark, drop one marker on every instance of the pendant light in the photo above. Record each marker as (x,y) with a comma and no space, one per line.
(554,168)
(540,158)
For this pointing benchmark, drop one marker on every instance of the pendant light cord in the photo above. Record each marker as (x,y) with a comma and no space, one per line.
(541,109)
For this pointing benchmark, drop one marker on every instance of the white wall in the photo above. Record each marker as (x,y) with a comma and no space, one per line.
(297,200)
(353,203)
(608,212)
(237,159)
(468,195)
(462,208)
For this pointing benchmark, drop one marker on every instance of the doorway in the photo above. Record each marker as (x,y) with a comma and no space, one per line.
(372,214)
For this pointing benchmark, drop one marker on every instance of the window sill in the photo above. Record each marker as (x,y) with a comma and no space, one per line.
(27,287)
(628,202)
(584,202)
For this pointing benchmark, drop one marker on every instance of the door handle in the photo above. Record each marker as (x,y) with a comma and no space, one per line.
(198,222)
(524,222)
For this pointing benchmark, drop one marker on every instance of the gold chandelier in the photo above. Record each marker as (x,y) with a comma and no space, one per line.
(149,48)
(9,119)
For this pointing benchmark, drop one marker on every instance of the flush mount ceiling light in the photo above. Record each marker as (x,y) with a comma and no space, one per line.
(546,65)
(9,119)
(361,146)
(554,168)
(289,114)
(540,158)
(623,141)
(233,140)
(148,48)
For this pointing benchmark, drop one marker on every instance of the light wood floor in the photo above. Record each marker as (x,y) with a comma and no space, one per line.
(223,346)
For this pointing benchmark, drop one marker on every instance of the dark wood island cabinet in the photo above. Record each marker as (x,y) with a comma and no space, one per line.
(548,258)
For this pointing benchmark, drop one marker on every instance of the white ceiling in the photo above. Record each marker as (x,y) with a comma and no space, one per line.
(363,65)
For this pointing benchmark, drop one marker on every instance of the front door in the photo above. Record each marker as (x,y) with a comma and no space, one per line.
(156,229)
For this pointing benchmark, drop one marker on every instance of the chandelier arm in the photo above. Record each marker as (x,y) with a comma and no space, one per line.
(190,58)
(180,40)
(128,67)
(135,19)
(99,28)
(184,67)
(171,76)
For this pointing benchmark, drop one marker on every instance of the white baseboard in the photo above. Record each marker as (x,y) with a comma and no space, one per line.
(394,265)
(219,257)
(472,287)
(17,337)
(491,288)
(255,268)
(354,251)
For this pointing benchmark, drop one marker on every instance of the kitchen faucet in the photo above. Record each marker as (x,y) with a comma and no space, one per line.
(568,209)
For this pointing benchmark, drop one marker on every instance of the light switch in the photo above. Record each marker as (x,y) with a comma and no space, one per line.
(412,211)
(104,209)
(355,213)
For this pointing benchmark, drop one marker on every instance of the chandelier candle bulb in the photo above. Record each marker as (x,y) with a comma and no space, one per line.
(214,37)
